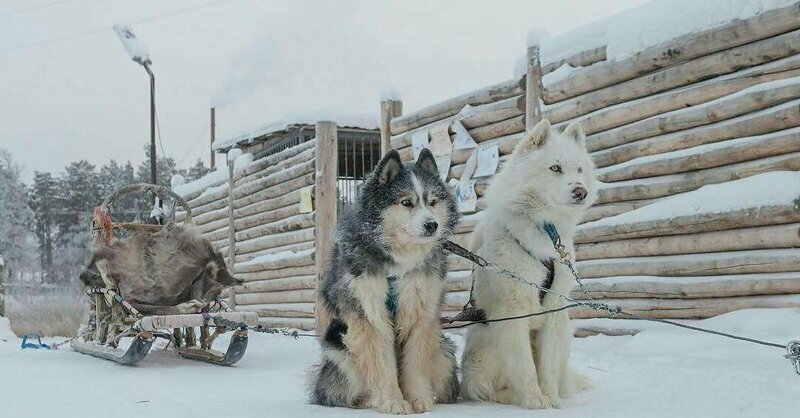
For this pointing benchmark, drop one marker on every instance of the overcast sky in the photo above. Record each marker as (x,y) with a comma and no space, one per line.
(80,97)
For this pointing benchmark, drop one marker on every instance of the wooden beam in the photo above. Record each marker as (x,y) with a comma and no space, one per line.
(533,88)
(325,209)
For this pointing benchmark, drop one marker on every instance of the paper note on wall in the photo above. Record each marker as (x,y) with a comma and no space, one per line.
(306,204)
(440,140)
(469,167)
(443,164)
(419,140)
(488,158)
(466,198)
(463,139)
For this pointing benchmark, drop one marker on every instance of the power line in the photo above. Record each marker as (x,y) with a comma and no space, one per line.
(99,30)
(32,8)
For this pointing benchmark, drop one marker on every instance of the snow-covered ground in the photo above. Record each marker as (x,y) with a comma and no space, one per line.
(661,372)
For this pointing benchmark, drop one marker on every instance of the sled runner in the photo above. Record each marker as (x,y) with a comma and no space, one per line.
(117,330)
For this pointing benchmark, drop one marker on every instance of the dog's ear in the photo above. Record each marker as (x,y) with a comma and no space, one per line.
(388,168)
(426,162)
(535,138)
(574,131)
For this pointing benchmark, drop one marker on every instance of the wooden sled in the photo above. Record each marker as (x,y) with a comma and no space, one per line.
(112,320)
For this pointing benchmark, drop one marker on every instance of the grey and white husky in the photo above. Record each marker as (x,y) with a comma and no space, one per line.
(384,348)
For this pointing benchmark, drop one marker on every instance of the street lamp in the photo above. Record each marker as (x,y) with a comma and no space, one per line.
(139,54)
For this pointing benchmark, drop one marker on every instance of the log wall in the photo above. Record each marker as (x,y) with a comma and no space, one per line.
(266,210)
(706,108)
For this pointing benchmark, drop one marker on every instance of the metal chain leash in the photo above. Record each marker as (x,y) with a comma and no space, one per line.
(793,347)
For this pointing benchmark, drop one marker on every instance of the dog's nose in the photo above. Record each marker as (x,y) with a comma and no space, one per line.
(430,226)
(579,194)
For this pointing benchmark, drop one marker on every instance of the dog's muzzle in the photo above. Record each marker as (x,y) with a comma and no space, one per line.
(430,227)
(579,194)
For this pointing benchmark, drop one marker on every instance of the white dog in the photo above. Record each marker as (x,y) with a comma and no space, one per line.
(548,179)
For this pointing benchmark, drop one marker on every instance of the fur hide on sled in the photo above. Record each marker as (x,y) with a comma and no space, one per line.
(172,271)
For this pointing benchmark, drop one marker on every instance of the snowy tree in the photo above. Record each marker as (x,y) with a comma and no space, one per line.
(44,204)
(197,170)
(165,169)
(15,218)
(79,194)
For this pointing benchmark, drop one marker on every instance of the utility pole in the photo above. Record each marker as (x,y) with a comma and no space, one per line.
(153,155)
(213,134)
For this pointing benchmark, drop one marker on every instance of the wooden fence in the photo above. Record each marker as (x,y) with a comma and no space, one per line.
(264,212)
(712,109)
(704,109)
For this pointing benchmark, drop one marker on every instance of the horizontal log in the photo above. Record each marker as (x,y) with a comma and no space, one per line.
(217,235)
(301,246)
(581,59)
(452,106)
(291,223)
(705,156)
(773,119)
(704,222)
(282,310)
(691,287)
(676,183)
(287,296)
(275,240)
(206,217)
(274,179)
(260,164)
(210,206)
(681,49)
(280,273)
(752,99)
(723,62)
(594,330)
(275,191)
(305,324)
(692,308)
(279,284)
(468,223)
(274,215)
(276,167)
(734,262)
(692,95)
(606,210)
(213,226)
(277,261)
(494,112)
(457,281)
(498,129)
(210,194)
(270,204)
(763,237)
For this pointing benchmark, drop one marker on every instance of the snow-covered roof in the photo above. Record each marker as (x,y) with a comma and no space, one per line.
(650,24)
(357,120)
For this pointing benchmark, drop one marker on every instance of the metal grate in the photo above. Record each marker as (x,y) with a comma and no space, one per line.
(359,152)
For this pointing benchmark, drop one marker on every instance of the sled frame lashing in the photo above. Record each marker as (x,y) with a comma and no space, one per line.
(112,318)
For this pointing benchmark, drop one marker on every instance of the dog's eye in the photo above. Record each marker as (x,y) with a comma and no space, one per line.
(433,202)
(580,169)
(407,203)
(555,168)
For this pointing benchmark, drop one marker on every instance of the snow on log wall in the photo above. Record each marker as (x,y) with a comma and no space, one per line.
(703,109)
(273,221)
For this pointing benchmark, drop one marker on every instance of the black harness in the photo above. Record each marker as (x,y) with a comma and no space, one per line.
(549,265)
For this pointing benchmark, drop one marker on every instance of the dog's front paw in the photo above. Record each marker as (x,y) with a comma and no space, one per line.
(395,406)
(539,401)
(422,404)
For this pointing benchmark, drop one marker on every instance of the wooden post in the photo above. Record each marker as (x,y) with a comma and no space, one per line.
(231,228)
(213,135)
(389,109)
(533,89)
(326,156)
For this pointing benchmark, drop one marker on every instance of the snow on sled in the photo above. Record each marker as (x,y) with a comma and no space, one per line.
(148,281)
